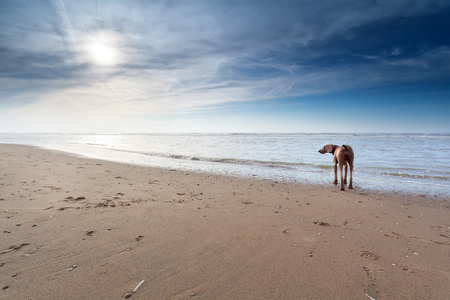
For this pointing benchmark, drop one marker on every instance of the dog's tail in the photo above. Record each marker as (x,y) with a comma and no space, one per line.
(346,147)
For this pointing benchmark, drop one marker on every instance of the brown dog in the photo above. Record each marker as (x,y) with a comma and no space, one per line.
(341,155)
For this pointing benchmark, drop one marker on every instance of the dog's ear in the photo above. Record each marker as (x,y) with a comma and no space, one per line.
(329,148)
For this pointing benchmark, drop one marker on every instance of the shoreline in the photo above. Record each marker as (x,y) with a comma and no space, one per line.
(378,186)
(89,228)
(380,164)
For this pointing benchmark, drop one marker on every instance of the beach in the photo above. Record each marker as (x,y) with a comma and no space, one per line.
(78,228)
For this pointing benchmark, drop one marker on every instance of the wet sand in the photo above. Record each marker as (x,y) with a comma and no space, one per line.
(75,228)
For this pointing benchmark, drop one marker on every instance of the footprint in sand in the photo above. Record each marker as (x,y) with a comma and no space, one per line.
(407,269)
(322,224)
(52,188)
(72,199)
(368,255)
(393,235)
(371,272)
(247,202)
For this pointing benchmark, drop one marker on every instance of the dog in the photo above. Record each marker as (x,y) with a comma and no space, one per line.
(342,155)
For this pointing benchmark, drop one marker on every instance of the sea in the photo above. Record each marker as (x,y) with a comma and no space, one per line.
(416,164)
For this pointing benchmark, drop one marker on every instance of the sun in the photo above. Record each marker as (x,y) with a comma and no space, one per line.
(102,54)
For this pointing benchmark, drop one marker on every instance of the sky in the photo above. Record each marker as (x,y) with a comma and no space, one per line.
(310,66)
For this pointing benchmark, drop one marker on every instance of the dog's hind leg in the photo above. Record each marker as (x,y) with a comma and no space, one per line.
(345,176)
(341,164)
(335,173)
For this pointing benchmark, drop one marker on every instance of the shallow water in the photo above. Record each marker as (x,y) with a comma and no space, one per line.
(411,163)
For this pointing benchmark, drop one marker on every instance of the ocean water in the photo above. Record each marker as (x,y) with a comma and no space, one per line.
(405,163)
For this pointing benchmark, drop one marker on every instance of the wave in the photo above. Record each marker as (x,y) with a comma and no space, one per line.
(236,161)
(396,180)
(97,145)
(406,173)
(416,176)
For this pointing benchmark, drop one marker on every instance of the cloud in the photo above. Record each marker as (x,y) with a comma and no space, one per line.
(177,56)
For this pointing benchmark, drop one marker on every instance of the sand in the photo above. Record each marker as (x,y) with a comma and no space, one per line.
(76,228)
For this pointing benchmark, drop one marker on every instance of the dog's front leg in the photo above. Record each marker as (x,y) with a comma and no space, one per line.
(350,184)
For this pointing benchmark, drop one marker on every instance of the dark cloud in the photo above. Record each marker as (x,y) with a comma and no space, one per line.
(41,66)
(301,43)
(406,43)
(394,37)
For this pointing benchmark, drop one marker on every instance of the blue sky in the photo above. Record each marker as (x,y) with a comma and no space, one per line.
(224,66)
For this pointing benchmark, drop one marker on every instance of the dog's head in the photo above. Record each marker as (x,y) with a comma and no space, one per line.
(327,149)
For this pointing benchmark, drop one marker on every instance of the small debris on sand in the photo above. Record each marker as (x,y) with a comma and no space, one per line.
(72,268)
(322,224)
(12,248)
(138,286)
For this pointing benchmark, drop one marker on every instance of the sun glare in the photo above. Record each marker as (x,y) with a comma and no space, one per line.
(102,54)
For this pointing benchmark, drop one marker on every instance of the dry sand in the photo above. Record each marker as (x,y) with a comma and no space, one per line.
(75,228)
